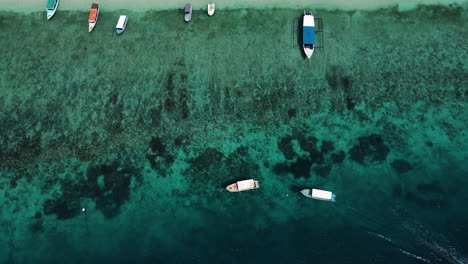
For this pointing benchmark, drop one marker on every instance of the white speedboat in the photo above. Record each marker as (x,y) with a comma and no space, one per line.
(319,194)
(52,8)
(211,9)
(243,186)
(121,24)
(308,34)
(93,16)
(188,12)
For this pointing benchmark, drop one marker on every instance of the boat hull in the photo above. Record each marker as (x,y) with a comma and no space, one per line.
(121,24)
(308,34)
(93,16)
(241,186)
(211,9)
(51,12)
(329,197)
(187,12)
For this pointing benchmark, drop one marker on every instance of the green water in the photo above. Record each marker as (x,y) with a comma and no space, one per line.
(144,130)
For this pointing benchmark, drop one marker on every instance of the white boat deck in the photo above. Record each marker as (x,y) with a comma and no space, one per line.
(121,22)
(321,194)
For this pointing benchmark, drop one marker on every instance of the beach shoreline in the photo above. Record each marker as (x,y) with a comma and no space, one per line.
(32,6)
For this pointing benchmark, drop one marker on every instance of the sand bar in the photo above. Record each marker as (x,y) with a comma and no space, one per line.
(33,5)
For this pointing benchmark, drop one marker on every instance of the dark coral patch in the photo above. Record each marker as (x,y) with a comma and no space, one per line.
(108,184)
(157,147)
(430,188)
(322,170)
(64,209)
(158,155)
(396,190)
(338,157)
(210,157)
(401,166)
(286,146)
(370,148)
(292,112)
(425,203)
(301,168)
(327,146)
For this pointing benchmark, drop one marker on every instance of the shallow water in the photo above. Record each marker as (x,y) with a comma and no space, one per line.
(144,130)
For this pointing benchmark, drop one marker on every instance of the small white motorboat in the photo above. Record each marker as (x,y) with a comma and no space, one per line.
(188,12)
(319,194)
(308,34)
(121,24)
(211,9)
(243,186)
(93,16)
(52,8)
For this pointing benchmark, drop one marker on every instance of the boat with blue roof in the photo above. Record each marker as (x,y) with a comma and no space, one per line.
(52,8)
(308,34)
(121,24)
(319,195)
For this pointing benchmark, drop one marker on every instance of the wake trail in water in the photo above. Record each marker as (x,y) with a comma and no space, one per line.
(389,240)
(437,243)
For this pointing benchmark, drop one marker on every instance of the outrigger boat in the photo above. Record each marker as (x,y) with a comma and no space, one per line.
(52,8)
(211,9)
(319,194)
(121,24)
(243,186)
(308,34)
(188,12)
(93,16)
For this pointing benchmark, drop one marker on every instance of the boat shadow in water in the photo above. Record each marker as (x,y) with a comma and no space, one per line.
(298,37)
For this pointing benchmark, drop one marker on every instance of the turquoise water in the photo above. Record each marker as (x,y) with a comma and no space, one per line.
(144,130)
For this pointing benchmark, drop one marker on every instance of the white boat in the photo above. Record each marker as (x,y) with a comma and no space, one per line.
(211,9)
(93,16)
(52,8)
(308,34)
(121,24)
(319,194)
(243,186)
(188,12)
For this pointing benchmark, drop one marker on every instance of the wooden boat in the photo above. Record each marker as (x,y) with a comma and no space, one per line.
(93,16)
(308,34)
(211,9)
(319,194)
(188,12)
(52,8)
(243,186)
(121,24)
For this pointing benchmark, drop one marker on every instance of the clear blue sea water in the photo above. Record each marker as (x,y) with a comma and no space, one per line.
(144,131)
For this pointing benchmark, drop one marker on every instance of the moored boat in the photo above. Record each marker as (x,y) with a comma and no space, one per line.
(308,34)
(188,12)
(243,186)
(211,9)
(52,8)
(319,194)
(121,24)
(93,16)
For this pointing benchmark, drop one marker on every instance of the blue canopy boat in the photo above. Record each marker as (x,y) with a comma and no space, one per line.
(308,34)
(319,194)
